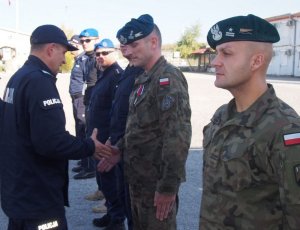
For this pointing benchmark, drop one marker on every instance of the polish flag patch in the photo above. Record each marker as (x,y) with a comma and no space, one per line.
(164,81)
(291,139)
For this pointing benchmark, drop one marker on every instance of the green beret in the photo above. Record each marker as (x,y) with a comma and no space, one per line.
(242,28)
(136,29)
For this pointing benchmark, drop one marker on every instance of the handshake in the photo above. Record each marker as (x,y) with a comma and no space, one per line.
(107,154)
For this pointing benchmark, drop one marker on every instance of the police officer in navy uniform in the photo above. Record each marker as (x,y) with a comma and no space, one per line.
(119,114)
(35,147)
(76,86)
(1,110)
(76,89)
(88,39)
(99,112)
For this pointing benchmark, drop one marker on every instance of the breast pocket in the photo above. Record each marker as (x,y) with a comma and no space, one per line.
(238,164)
(146,111)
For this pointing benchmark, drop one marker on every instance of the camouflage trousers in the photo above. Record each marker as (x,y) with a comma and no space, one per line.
(144,212)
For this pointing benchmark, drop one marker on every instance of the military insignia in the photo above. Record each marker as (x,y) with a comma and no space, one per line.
(164,81)
(245,31)
(291,139)
(104,44)
(167,102)
(216,33)
(122,39)
(230,33)
(297,174)
(131,36)
(138,34)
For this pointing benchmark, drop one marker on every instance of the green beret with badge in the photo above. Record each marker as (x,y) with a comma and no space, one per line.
(242,28)
(136,29)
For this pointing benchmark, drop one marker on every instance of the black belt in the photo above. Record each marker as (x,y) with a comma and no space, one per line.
(76,96)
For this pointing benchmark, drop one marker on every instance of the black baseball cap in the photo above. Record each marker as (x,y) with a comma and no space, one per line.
(50,34)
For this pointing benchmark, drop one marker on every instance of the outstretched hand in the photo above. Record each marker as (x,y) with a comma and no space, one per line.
(107,163)
(101,150)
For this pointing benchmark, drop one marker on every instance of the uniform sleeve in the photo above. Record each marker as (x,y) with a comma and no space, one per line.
(174,118)
(47,123)
(287,148)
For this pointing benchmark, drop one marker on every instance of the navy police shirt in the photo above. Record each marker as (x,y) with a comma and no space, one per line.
(77,74)
(101,101)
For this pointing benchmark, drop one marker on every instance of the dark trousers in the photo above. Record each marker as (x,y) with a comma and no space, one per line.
(79,115)
(111,188)
(56,223)
(79,112)
(88,163)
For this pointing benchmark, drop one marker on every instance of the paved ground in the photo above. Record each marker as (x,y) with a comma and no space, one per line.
(205,99)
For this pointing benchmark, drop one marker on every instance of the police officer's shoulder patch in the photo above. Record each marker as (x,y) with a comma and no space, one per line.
(167,102)
(50,103)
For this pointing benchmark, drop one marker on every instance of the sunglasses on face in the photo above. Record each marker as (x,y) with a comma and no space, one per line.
(86,40)
(103,53)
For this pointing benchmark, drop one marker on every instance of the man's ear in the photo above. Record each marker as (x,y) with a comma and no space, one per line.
(154,41)
(49,49)
(257,61)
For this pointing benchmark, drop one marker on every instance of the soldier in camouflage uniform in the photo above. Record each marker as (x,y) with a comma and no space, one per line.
(251,174)
(158,129)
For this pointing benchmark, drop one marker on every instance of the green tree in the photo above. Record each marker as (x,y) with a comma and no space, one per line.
(188,42)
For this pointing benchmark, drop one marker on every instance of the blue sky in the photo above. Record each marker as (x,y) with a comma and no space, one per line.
(172,16)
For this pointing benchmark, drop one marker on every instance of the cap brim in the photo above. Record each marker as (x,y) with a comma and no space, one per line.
(71,47)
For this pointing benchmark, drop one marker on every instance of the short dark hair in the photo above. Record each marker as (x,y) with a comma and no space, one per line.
(35,47)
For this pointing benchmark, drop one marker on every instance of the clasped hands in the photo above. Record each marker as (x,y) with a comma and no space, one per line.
(107,154)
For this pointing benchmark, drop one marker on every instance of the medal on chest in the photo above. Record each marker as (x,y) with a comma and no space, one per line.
(139,92)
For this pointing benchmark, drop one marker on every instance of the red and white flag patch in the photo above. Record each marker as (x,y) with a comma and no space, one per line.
(291,139)
(164,81)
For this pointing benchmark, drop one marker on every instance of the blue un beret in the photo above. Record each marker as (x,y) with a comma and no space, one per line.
(242,28)
(91,32)
(136,29)
(105,43)
(50,34)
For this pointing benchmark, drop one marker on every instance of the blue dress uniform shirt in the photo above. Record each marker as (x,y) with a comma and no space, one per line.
(35,147)
(101,101)
(121,102)
(77,74)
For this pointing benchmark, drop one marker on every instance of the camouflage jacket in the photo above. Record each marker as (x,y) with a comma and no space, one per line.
(251,174)
(158,129)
